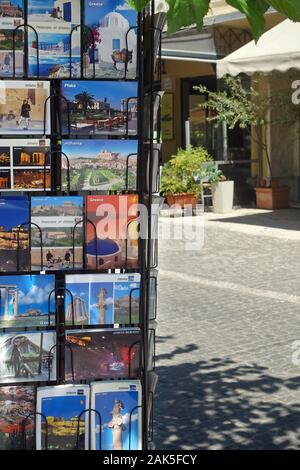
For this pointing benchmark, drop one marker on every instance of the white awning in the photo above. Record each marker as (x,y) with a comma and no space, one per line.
(277,49)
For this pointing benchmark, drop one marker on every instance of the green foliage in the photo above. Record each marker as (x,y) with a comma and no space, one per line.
(184,171)
(246,107)
(182,11)
(190,12)
(213,174)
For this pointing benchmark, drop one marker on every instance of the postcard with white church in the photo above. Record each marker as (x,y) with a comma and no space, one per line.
(111,46)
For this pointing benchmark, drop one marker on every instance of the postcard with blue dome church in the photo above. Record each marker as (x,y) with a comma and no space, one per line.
(57,42)
(112,232)
(113,53)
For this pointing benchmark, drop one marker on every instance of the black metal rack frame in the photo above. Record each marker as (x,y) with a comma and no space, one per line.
(147,185)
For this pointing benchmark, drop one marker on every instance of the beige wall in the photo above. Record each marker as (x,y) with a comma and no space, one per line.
(283,140)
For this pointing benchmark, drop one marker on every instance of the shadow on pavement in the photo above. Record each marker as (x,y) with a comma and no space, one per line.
(222,405)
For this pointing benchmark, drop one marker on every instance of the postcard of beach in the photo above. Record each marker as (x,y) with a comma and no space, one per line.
(57,40)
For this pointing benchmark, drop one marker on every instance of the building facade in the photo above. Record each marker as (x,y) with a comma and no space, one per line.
(189,59)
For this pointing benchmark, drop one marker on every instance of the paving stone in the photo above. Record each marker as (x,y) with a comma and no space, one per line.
(228,317)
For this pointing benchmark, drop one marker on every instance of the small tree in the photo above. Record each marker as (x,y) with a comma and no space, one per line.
(183,173)
(247,108)
(85,100)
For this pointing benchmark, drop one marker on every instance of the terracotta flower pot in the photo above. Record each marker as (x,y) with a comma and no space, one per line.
(182,199)
(272,198)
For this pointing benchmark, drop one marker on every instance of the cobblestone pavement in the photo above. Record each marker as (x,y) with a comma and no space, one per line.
(229,316)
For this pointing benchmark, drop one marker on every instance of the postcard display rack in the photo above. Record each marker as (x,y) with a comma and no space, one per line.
(79,108)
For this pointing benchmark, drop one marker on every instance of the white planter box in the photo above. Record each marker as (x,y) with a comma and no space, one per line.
(222,194)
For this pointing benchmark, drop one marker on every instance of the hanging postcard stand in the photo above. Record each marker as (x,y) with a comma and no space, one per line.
(51,98)
(152,354)
(130,354)
(29,224)
(89,411)
(133,101)
(128,54)
(62,155)
(130,155)
(82,65)
(130,423)
(61,296)
(25,56)
(151,417)
(124,122)
(153,295)
(35,414)
(130,304)
(158,69)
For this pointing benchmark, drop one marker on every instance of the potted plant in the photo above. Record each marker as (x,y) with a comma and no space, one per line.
(221,188)
(182,175)
(238,105)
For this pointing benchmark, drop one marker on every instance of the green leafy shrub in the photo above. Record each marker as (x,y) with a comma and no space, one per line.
(184,171)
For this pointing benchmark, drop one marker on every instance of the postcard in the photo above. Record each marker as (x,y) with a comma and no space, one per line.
(101,108)
(63,409)
(102,353)
(102,299)
(112,232)
(99,164)
(11,16)
(22,104)
(16,403)
(25,165)
(14,233)
(113,53)
(117,425)
(28,356)
(24,300)
(54,51)
(60,220)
